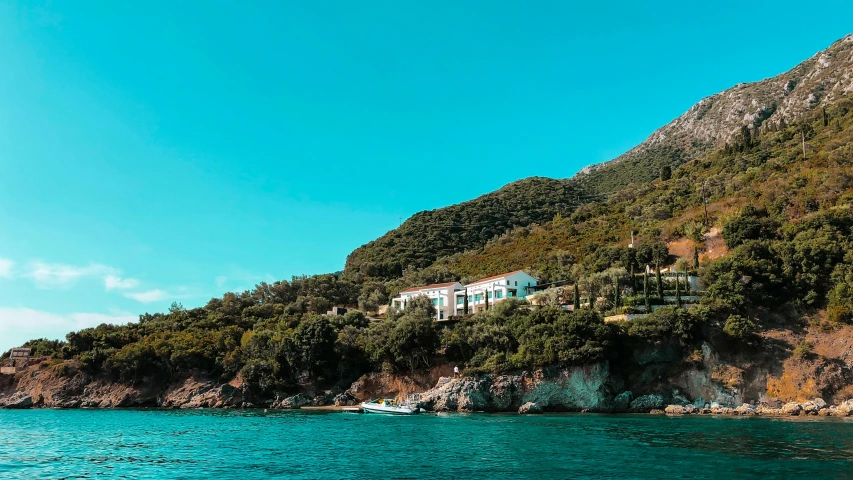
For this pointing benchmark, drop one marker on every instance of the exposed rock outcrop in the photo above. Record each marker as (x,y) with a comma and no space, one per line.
(19,400)
(529,408)
(571,389)
(293,402)
(647,403)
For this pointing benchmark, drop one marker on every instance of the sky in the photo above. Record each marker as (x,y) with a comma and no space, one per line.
(158,151)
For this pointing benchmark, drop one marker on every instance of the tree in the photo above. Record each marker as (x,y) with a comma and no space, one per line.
(695,257)
(413,342)
(665,172)
(746,137)
(682,266)
(312,346)
(741,328)
(751,224)
(465,303)
(616,293)
(659,281)
(576,303)
(646,290)
(677,290)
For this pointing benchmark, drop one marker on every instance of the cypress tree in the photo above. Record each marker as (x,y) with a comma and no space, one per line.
(591,299)
(695,257)
(825,118)
(616,293)
(465,303)
(646,290)
(577,301)
(633,279)
(659,281)
(677,289)
(486,296)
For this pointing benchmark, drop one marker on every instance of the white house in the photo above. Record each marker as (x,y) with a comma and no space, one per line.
(495,289)
(441,294)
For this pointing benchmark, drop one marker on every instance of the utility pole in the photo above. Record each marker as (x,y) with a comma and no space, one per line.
(705,202)
(803,133)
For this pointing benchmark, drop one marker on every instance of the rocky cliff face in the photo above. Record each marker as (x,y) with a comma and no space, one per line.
(715,120)
(63,386)
(570,389)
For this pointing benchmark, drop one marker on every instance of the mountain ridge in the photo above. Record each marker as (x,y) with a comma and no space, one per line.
(798,90)
(711,123)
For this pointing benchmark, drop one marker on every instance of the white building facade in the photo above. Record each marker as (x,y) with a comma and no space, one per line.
(492,290)
(441,294)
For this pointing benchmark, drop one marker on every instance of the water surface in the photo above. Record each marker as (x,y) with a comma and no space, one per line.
(216,444)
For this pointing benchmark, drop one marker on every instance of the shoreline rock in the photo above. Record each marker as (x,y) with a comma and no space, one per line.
(816,407)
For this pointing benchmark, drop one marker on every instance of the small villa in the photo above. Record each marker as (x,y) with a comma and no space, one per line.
(449,298)
(441,294)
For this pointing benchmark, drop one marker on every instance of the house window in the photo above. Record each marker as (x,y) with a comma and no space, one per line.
(489,294)
(516,283)
(441,315)
(441,301)
(499,294)
(460,300)
(435,301)
(478,297)
(470,298)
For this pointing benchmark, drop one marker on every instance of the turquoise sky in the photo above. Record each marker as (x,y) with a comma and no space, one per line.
(160,151)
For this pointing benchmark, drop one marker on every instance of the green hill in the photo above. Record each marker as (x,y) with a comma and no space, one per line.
(430,235)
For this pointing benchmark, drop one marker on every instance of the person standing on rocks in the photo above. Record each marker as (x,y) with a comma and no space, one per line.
(455,371)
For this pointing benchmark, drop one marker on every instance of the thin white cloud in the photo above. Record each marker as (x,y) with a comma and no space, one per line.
(220,281)
(114,282)
(17,325)
(58,275)
(6,268)
(149,296)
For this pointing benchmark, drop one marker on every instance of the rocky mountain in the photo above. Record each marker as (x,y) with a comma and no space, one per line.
(710,124)
(718,119)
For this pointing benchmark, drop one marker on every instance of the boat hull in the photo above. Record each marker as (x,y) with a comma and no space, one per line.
(384,410)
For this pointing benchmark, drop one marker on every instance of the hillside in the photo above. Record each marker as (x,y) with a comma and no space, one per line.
(718,119)
(430,235)
(771,175)
(710,124)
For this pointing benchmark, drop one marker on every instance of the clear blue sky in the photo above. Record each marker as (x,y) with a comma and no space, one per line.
(159,151)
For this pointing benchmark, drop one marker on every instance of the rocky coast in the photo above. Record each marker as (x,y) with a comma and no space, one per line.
(590,388)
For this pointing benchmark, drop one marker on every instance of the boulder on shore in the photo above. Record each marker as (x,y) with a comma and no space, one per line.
(345,399)
(529,408)
(622,402)
(647,403)
(792,408)
(19,401)
(296,401)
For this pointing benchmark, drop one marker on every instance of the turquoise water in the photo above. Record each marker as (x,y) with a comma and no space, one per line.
(248,444)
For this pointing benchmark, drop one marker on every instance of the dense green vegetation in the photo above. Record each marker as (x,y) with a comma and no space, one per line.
(430,235)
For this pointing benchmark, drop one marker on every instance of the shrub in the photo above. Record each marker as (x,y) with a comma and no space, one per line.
(741,328)
(804,349)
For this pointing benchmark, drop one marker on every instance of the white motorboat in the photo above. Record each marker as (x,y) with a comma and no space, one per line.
(388,406)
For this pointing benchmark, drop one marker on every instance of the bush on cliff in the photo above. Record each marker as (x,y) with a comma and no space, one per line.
(510,337)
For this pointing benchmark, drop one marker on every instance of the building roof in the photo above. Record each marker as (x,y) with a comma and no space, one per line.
(428,287)
(482,280)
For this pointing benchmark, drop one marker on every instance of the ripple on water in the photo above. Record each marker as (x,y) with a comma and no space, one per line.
(249,444)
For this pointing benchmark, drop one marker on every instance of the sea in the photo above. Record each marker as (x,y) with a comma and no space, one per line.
(248,444)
